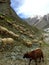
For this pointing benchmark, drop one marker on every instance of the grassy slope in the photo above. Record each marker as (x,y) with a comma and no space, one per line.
(15,56)
(20,27)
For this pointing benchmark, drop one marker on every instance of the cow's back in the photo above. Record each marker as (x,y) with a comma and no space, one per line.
(36,53)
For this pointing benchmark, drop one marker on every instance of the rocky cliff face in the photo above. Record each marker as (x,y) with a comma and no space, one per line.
(41,23)
(5,7)
(32,21)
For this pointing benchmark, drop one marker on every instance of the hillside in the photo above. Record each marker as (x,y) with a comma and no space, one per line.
(17,29)
(26,37)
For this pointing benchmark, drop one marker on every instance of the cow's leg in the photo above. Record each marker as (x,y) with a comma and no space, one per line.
(35,61)
(39,59)
(42,58)
(29,61)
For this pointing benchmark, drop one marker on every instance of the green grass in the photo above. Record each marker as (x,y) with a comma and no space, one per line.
(33,30)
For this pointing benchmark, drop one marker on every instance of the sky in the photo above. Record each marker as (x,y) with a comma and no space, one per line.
(30,8)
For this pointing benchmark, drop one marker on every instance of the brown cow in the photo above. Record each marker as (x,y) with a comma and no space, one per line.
(34,55)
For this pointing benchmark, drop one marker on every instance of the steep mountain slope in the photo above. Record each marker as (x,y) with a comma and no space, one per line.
(17,29)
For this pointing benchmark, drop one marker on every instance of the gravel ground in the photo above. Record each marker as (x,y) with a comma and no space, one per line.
(15,56)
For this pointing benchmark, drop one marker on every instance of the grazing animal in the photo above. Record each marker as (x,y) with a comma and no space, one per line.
(7,43)
(34,55)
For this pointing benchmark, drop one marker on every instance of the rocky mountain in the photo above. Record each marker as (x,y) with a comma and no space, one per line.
(32,21)
(44,22)
(40,23)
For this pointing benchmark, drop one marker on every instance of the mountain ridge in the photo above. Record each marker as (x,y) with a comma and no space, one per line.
(40,23)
